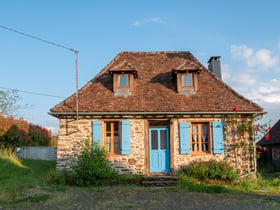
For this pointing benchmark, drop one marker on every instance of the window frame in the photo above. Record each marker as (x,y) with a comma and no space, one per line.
(199,135)
(112,132)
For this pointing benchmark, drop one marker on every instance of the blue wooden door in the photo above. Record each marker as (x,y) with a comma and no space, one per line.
(159,149)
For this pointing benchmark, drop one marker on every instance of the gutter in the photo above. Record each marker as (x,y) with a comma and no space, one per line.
(57,114)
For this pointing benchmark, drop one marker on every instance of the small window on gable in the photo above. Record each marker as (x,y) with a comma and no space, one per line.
(123,80)
(187,80)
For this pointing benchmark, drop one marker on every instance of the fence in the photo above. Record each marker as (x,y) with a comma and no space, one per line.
(37,153)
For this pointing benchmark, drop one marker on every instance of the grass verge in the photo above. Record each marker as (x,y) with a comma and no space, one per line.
(16,179)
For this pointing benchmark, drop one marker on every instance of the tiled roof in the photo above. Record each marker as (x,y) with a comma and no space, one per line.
(155,89)
(274,136)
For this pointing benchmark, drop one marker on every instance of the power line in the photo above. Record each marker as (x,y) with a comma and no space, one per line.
(37,38)
(32,93)
(57,45)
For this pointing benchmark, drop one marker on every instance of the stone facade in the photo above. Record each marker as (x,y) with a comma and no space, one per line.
(181,160)
(72,134)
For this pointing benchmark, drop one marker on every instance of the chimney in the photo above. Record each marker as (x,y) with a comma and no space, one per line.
(214,66)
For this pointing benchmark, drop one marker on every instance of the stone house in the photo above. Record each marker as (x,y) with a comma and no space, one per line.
(272,143)
(154,112)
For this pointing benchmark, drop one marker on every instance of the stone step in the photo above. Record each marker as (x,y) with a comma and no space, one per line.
(159,181)
(160,178)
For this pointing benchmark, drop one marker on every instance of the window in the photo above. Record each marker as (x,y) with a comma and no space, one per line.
(200,137)
(123,80)
(112,141)
(187,80)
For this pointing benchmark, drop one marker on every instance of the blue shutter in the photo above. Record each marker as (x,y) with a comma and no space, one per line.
(184,138)
(96,132)
(125,150)
(218,137)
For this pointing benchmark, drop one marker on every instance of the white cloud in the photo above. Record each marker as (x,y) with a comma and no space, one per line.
(277,70)
(136,23)
(244,79)
(148,20)
(241,52)
(226,71)
(261,59)
(258,88)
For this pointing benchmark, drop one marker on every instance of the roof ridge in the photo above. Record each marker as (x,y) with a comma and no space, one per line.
(153,52)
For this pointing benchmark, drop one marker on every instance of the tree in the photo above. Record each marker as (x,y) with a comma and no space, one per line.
(8,100)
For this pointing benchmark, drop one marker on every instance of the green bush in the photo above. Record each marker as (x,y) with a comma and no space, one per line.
(92,167)
(210,170)
(55,177)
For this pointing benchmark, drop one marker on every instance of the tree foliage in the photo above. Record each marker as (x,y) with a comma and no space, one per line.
(21,133)
(8,102)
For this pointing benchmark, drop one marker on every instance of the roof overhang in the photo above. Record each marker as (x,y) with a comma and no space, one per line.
(166,114)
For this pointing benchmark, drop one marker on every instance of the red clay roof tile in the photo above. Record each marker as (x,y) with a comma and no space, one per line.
(155,89)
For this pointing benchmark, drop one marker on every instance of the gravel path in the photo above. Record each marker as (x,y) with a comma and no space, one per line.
(152,198)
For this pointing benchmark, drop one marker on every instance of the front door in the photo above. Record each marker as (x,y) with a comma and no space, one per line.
(159,149)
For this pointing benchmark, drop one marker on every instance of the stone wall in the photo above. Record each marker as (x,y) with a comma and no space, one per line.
(239,153)
(182,159)
(135,162)
(70,139)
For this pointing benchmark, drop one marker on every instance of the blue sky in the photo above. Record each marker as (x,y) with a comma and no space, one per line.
(246,34)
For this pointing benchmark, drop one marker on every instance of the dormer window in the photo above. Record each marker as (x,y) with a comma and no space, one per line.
(186,78)
(123,78)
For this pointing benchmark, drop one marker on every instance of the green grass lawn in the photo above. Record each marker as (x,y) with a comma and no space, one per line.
(25,181)
(16,177)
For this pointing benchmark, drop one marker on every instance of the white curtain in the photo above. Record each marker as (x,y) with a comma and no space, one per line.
(204,137)
(195,137)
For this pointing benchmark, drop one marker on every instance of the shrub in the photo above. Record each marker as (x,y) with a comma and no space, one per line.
(55,177)
(8,153)
(210,170)
(92,167)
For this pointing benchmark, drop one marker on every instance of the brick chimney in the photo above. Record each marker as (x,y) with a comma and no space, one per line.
(214,66)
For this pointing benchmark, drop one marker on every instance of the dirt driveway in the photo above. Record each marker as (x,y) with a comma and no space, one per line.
(150,198)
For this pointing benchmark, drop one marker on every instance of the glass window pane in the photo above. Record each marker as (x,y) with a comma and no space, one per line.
(116,148)
(195,147)
(154,140)
(108,126)
(205,147)
(205,129)
(163,142)
(194,128)
(116,139)
(116,126)
(194,138)
(123,80)
(187,80)
(108,138)
(108,147)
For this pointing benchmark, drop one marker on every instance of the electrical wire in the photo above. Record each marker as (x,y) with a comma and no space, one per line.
(37,38)
(57,45)
(32,93)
